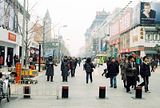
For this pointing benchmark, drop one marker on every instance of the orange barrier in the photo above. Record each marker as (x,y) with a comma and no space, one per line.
(18,72)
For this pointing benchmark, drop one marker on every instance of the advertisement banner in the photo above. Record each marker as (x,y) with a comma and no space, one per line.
(150,13)
(136,15)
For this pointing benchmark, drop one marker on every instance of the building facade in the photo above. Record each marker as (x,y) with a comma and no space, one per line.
(130,32)
(11,15)
(93,36)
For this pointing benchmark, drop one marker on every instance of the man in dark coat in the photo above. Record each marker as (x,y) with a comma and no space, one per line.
(153,65)
(50,69)
(145,73)
(65,68)
(132,72)
(113,70)
(88,67)
(73,65)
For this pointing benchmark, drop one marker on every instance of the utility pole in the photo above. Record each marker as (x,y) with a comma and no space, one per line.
(43,37)
(23,35)
(26,41)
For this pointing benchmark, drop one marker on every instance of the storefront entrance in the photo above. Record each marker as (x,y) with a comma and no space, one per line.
(10,51)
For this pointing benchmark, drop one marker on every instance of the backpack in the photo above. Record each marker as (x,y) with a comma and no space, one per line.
(88,67)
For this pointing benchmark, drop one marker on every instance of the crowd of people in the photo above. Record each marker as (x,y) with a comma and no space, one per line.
(132,70)
(10,61)
(68,67)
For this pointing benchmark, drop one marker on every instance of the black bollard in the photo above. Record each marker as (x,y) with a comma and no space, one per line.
(138,93)
(65,90)
(26,91)
(102,92)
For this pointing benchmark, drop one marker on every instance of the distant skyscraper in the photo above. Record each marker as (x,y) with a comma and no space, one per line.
(47,27)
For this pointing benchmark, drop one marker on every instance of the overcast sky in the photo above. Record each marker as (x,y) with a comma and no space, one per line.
(76,14)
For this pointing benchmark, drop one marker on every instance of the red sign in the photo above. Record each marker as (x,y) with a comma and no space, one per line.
(11,37)
(18,71)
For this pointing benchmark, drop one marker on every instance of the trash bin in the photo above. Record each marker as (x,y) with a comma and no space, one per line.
(65,90)
(102,92)
(26,91)
(138,93)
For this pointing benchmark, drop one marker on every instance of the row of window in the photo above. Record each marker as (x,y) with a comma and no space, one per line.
(152,37)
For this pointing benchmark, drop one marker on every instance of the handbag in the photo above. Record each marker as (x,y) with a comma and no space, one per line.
(107,75)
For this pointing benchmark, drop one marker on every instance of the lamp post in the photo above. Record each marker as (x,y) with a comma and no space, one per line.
(39,60)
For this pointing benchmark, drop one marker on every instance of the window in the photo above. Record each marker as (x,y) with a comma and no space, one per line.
(158,37)
(155,36)
(147,37)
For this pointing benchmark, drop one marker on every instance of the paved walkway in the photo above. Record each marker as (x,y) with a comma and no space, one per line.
(82,95)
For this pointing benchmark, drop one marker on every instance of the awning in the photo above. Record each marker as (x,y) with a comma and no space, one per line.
(151,52)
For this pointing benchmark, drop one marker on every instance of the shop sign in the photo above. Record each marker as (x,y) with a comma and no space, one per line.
(11,37)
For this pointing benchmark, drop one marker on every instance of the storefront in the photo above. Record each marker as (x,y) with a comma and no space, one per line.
(9,43)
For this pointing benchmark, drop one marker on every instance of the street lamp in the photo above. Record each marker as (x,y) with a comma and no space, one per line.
(39,60)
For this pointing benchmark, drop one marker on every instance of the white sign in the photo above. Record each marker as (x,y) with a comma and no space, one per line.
(32,51)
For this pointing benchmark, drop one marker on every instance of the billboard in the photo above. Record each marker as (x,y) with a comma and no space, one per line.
(136,15)
(150,13)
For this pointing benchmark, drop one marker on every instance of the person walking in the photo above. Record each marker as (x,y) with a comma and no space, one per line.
(113,70)
(88,67)
(1,61)
(79,61)
(145,73)
(65,69)
(9,61)
(123,71)
(153,65)
(16,59)
(50,69)
(132,72)
(73,65)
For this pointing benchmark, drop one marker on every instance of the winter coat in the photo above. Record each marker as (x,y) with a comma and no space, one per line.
(113,69)
(130,71)
(88,67)
(1,60)
(153,63)
(123,70)
(50,68)
(145,70)
(73,64)
(65,68)
(9,61)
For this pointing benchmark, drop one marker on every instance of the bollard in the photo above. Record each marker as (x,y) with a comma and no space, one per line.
(57,92)
(65,90)
(138,93)
(102,92)
(26,91)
